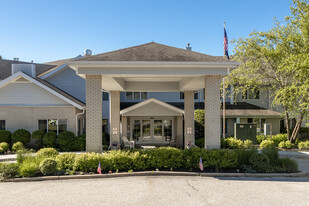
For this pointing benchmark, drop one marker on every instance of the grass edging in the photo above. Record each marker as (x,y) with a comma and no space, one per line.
(156,173)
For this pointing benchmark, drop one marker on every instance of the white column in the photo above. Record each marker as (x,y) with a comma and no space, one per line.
(114,113)
(124,126)
(189,117)
(179,134)
(212,112)
(93,113)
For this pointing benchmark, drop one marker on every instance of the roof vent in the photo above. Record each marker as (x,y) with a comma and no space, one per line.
(16,59)
(87,52)
(26,68)
(188,47)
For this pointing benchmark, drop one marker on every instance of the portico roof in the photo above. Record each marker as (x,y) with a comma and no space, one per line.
(153,67)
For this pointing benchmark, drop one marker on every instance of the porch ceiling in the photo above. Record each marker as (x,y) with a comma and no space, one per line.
(153,76)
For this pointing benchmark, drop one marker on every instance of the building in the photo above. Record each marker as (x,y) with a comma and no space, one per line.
(147,93)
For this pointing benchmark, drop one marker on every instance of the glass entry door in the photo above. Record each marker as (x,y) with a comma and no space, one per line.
(152,130)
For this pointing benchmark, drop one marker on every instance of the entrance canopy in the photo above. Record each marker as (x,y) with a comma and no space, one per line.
(153,67)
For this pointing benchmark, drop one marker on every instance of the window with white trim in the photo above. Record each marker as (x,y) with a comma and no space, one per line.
(2,124)
(136,95)
(53,125)
(182,95)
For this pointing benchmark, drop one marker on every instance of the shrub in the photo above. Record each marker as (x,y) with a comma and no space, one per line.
(285,144)
(260,138)
(38,137)
(29,168)
(233,143)
(80,143)
(9,170)
(5,136)
(17,146)
(1,150)
(272,154)
(49,139)
(88,162)
(244,155)
(21,135)
(259,162)
(288,165)
(5,146)
(47,152)
(66,141)
(200,142)
(248,144)
(303,145)
(66,161)
(278,138)
(48,166)
(267,144)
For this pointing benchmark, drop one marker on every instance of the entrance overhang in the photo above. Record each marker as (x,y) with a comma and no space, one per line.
(152,76)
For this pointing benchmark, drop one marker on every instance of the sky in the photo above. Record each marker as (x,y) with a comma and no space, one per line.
(49,30)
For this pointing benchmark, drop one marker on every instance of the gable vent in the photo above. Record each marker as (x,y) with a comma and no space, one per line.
(26,68)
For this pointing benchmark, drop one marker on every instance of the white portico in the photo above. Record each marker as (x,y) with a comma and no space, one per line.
(152,67)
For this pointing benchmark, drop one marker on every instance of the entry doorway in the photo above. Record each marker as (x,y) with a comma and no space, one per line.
(152,130)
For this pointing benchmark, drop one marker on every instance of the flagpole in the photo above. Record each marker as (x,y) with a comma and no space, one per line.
(223,128)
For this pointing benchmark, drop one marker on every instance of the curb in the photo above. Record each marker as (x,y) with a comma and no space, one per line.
(156,173)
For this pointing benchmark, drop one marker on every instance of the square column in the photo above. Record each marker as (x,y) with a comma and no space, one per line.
(212,113)
(189,117)
(124,126)
(93,113)
(179,134)
(114,114)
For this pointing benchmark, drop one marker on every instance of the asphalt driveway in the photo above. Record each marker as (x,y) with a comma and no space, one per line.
(158,191)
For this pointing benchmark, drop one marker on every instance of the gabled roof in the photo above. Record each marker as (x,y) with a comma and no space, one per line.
(149,101)
(6,67)
(154,52)
(45,85)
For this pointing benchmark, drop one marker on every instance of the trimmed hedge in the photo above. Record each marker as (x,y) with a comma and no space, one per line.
(48,166)
(267,144)
(66,161)
(259,162)
(21,135)
(5,146)
(65,141)
(5,136)
(17,146)
(47,152)
(38,137)
(303,145)
(49,139)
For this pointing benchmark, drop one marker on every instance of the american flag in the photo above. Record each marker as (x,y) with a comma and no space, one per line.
(225,45)
(99,168)
(201,164)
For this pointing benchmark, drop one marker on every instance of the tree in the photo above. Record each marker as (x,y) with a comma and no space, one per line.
(277,60)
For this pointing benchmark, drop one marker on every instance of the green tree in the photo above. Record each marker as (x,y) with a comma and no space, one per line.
(277,60)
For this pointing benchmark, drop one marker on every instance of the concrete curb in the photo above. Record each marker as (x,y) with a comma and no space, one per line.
(156,173)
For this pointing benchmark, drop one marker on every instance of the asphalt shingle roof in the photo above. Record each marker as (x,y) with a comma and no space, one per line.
(6,67)
(153,52)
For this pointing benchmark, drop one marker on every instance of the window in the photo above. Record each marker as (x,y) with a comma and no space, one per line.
(182,95)
(105,96)
(2,124)
(53,125)
(105,125)
(251,94)
(136,95)
(167,130)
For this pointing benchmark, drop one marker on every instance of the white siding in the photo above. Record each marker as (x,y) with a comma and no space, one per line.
(28,94)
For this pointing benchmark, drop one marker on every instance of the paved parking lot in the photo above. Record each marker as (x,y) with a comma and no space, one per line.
(159,191)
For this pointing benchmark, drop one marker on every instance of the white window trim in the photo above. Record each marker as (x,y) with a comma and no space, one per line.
(140,96)
(57,124)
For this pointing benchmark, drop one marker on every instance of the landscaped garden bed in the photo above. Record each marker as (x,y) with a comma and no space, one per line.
(48,161)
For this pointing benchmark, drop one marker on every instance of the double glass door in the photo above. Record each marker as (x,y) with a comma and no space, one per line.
(152,130)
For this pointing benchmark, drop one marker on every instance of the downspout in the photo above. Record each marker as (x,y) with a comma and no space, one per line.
(76,125)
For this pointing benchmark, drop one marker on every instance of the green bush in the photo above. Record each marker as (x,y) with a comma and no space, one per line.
(66,161)
(247,144)
(233,143)
(259,162)
(38,137)
(88,162)
(17,146)
(9,170)
(1,150)
(288,165)
(267,144)
(244,155)
(66,141)
(5,146)
(5,136)
(285,144)
(48,166)
(200,142)
(80,143)
(260,138)
(29,168)
(303,145)
(279,138)
(21,135)
(272,154)
(49,139)
(47,152)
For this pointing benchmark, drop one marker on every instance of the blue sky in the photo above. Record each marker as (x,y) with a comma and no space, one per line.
(48,30)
